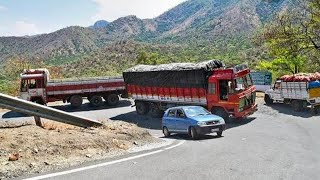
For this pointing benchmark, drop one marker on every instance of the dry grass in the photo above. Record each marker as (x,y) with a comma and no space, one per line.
(50,125)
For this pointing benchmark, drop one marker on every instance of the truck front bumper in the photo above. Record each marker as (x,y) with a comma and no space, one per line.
(247,112)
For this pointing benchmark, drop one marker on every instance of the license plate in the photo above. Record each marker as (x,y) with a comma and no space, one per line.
(215,130)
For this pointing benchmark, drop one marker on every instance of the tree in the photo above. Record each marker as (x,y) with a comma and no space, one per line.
(293,38)
(145,58)
(142,58)
(14,66)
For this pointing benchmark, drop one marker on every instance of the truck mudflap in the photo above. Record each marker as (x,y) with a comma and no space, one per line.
(247,112)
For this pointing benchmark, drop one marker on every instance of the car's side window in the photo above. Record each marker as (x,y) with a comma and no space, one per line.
(171,113)
(180,113)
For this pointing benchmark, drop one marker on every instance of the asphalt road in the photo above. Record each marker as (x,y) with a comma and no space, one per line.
(274,143)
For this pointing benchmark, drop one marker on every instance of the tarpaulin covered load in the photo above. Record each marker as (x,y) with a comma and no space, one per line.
(314,84)
(172,75)
(301,77)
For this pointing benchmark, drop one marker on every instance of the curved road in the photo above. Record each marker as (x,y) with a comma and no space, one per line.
(274,143)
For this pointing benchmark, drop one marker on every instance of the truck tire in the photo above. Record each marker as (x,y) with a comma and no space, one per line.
(112,99)
(142,108)
(296,105)
(267,99)
(222,113)
(76,101)
(155,111)
(38,101)
(304,105)
(95,101)
(313,110)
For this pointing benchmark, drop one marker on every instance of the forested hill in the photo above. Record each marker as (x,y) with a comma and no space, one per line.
(226,25)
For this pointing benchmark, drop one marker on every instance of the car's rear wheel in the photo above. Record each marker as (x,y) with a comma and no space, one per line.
(166,132)
(219,133)
(193,133)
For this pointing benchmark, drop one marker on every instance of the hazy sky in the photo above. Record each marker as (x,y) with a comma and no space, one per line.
(29,17)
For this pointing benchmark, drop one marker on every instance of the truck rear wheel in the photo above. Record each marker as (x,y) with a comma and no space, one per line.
(267,99)
(142,108)
(296,105)
(95,101)
(112,99)
(222,113)
(155,111)
(76,101)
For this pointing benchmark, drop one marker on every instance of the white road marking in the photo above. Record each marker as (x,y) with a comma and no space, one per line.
(171,147)
(104,164)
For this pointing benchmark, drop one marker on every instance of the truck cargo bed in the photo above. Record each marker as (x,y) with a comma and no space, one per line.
(172,95)
(295,90)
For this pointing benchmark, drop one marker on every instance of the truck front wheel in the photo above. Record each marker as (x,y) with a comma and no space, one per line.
(76,101)
(95,101)
(142,108)
(268,100)
(222,113)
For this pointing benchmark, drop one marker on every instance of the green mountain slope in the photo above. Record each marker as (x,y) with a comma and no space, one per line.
(195,22)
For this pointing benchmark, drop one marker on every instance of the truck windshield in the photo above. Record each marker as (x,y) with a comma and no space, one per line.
(244,82)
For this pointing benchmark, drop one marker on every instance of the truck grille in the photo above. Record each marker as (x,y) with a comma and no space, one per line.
(247,101)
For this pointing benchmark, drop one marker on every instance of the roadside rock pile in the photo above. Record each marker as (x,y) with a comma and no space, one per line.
(31,149)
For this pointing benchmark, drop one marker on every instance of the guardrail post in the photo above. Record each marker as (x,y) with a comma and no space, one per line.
(38,121)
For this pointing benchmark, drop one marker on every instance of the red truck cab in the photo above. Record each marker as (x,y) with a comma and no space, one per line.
(33,85)
(232,90)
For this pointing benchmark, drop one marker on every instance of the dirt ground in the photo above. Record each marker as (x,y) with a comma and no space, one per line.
(3,110)
(59,145)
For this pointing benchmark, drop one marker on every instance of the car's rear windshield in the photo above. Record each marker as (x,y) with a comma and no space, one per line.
(196,111)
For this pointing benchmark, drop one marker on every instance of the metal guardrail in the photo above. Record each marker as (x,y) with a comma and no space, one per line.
(30,108)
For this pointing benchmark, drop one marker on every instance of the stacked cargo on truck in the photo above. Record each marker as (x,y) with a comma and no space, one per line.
(227,92)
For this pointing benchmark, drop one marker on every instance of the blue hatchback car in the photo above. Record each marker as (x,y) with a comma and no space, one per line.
(192,120)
